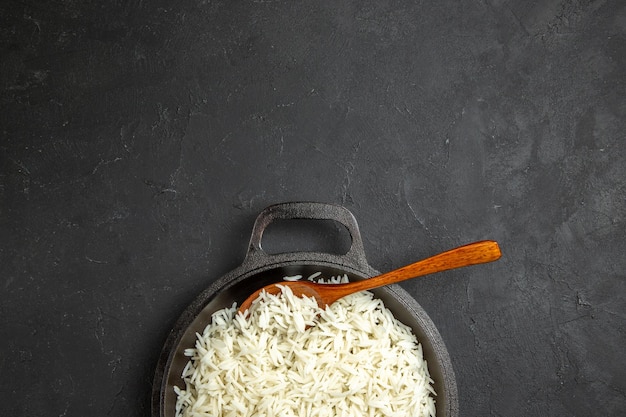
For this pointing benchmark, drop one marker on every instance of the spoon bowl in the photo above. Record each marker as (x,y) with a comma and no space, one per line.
(325,294)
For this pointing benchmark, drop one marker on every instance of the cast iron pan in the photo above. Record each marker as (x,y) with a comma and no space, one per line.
(260,268)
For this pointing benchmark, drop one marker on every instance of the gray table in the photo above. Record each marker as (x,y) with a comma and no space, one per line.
(139,140)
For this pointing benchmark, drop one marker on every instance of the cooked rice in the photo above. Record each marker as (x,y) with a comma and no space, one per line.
(291,358)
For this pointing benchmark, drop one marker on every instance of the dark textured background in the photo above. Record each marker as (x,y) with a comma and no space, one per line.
(140,139)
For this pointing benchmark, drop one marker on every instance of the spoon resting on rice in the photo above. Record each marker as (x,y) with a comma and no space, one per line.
(326,294)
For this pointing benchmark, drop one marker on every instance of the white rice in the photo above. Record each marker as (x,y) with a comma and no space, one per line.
(291,358)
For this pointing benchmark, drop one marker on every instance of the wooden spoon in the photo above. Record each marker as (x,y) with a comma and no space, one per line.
(326,294)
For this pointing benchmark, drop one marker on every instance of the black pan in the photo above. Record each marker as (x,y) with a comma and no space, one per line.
(260,268)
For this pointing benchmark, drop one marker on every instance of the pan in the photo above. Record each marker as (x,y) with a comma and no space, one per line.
(260,268)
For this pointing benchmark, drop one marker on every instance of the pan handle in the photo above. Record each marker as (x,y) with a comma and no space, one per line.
(314,211)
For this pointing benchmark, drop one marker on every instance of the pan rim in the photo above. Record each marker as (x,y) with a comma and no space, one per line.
(251,268)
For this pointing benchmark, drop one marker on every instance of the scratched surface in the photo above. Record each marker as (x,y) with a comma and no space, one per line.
(140,139)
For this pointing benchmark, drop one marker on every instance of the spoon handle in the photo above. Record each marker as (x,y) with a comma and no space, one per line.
(471,254)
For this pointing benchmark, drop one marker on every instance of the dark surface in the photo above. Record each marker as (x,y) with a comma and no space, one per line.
(141,139)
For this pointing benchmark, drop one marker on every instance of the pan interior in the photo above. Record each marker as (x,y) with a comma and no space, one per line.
(403,307)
